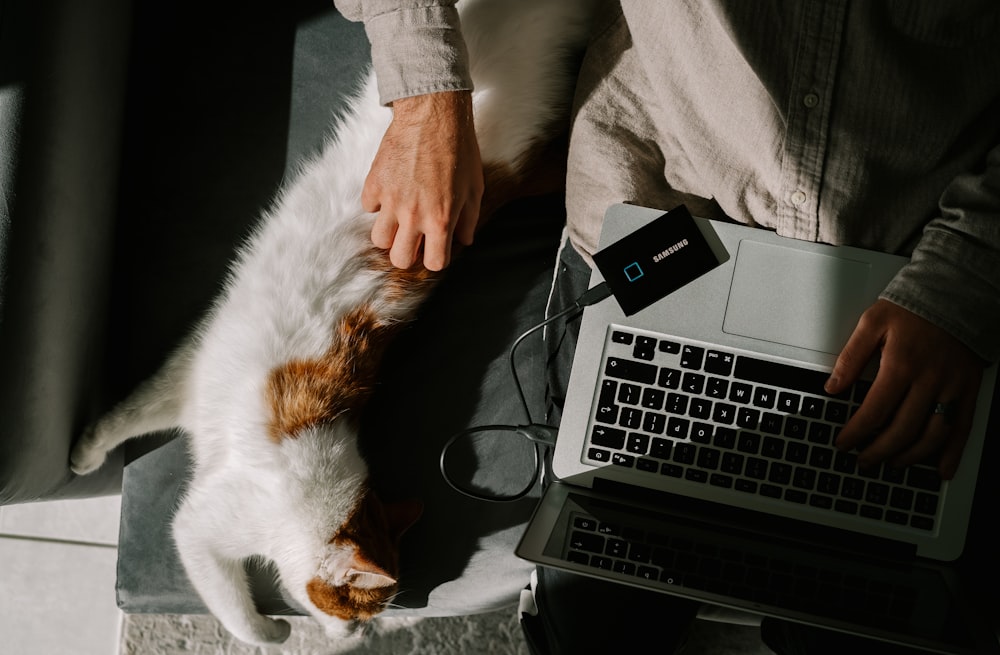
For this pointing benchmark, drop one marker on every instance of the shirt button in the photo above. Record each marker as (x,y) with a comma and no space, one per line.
(810,100)
(798,198)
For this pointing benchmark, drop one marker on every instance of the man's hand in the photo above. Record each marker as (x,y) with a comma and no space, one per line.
(921,365)
(426,182)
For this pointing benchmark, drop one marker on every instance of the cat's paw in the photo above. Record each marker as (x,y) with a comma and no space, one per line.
(87,455)
(270,631)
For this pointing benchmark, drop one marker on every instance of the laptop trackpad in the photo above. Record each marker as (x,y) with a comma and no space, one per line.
(796,297)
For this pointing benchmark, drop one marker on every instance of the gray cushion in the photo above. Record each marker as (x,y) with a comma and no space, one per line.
(216,134)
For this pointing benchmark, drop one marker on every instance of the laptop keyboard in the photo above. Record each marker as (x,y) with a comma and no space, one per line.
(779,576)
(746,426)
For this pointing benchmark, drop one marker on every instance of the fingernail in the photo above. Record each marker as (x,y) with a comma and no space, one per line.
(832,383)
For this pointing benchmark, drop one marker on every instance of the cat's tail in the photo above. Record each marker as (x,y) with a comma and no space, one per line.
(154,406)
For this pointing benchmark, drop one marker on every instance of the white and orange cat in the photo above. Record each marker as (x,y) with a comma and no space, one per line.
(269,388)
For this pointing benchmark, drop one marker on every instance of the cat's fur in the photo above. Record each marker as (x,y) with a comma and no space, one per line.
(270,387)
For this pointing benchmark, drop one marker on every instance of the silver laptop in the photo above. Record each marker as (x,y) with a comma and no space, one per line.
(695,453)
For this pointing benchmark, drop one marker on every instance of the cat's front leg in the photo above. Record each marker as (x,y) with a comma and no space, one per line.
(220,579)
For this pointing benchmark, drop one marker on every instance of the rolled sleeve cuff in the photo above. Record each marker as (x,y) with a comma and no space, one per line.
(416,51)
(953,283)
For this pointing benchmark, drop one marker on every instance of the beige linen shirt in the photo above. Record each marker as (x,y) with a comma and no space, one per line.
(873,124)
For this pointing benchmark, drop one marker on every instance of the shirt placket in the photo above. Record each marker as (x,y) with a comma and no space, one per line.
(808,119)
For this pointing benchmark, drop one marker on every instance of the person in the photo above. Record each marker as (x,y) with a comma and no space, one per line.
(867,124)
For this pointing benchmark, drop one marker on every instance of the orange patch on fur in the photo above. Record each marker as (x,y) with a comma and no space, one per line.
(372,532)
(306,393)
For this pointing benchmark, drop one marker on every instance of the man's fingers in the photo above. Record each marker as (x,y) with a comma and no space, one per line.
(859,350)
(405,248)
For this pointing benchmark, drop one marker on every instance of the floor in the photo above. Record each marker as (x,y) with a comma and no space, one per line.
(57,576)
(57,580)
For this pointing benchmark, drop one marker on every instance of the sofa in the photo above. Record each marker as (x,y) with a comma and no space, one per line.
(140,143)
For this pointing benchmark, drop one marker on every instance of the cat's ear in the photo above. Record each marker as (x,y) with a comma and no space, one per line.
(360,573)
(402,515)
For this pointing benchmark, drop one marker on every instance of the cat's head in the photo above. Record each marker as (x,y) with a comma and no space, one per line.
(359,572)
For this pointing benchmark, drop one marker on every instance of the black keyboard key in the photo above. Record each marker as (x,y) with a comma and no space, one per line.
(716,387)
(577,557)
(821,501)
(781,473)
(732,463)
(696,475)
(845,462)
(618,459)
(661,448)
(926,479)
(922,522)
(645,348)
(606,413)
(684,453)
(630,417)
(708,458)
(775,374)
(678,427)
(788,402)
(637,443)
(812,407)
(901,498)
(700,408)
(771,423)
(820,457)
(764,397)
(796,452)
(853,488)
(616,548)
(722,481)
(670,347)
(795,427)
(622,337)
(820,433)
(585,523)
(718,363)
(677,403)
(796,496)
(926,503)
(828,483)
(871,512)
(654,422)
(608,437)
(629,394)
(586,541)
(845,506)
(647,465)
(653,398)
(701,433)
(877,493)
(724,437)
(804,478)
(748,418)
(609,392)
(670,378)
(724,413)
(599,455)
(740,392)
(896,517)
(692,357)
(894,474)
(746,486)
(748,442)
(773,447)
(671,470)
(756,468)
(693,383)
(770,491)
(627,369)
(836,412)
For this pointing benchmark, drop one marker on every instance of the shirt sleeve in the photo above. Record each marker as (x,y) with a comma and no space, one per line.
(417,45)
(953,278)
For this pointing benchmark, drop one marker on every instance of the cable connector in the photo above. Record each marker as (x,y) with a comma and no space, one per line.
(593,295)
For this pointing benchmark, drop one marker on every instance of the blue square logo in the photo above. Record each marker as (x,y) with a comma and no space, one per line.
(633,272)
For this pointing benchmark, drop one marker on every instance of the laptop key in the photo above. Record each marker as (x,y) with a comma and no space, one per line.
(608,437)
(627,369)
(587,541)
(926,479)
(692,357)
